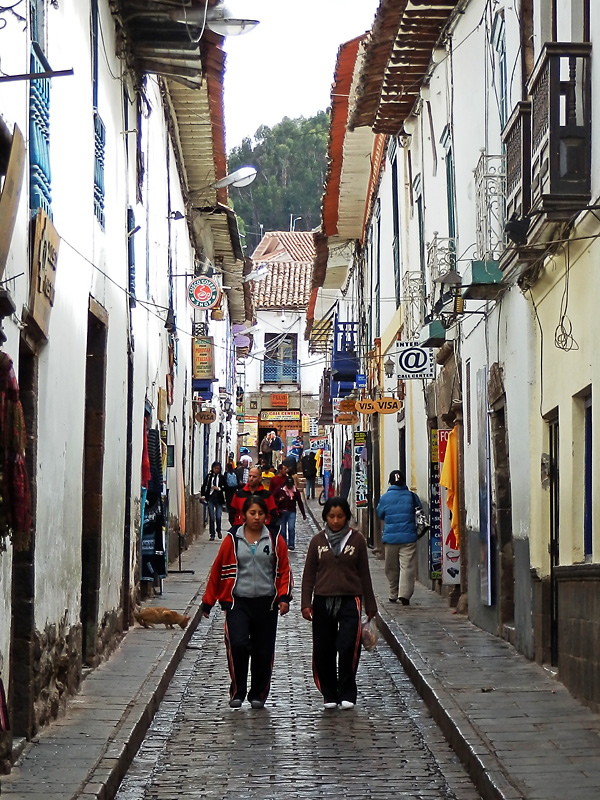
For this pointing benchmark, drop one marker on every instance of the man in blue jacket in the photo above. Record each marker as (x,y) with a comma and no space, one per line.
(397,511)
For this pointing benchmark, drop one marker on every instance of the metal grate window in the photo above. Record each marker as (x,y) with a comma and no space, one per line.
(99,153)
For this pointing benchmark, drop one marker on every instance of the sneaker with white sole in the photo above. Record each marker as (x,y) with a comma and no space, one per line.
(330,706)
(235,702)
(257,703)
(346,705)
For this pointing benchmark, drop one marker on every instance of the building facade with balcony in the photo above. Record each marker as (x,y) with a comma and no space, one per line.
(482,229)
(281,378)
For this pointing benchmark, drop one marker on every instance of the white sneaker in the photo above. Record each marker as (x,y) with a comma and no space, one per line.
(346,704)
(330,705)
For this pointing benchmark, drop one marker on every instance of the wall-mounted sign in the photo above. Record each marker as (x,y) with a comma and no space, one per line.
(205,417)
(43,271)
(161,411)
(274,416)
(203,292)
(414,361)
(279,400)
(203,358)
(361,381)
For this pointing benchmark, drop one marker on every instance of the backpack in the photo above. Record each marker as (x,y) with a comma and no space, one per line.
(231,478)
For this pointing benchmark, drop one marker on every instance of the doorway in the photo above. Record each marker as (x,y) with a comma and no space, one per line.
(22,684)
(93,468)
(554,537)
(503,522)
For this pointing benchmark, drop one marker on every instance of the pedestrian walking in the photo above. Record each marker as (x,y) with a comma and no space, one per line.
(276,449)
(335,584)
(251,580)
(212,492)
(265,449)
(397,511)
(287,499)
(254,487)
(309,470)
(231,486)
(279,480)
(267,476)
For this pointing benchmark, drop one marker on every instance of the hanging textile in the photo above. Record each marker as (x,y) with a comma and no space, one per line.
(146,476)
(449,479)
(15,507)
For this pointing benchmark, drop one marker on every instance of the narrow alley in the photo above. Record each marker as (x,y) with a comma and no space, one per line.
(198,747)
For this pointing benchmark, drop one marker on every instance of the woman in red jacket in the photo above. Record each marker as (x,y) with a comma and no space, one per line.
(252,582)
(335,583)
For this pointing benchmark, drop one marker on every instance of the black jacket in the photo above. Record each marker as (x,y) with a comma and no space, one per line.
(218,496)
(309,466)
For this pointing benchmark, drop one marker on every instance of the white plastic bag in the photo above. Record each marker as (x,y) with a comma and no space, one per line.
(369,634)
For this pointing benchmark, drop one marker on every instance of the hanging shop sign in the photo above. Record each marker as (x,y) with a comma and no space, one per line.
(203,358)
(305,423)
(203,292)
(388,405)
(359,439)
(44,258)
(161,411)
(365,406)
(347,419)
(414,362)
(279,400)
(279,416)
(347,406)
(205,417)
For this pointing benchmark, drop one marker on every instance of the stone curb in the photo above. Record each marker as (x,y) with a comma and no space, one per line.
(485,770)
(104,779)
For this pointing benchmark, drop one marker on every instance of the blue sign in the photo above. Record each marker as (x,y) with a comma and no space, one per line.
(361,381)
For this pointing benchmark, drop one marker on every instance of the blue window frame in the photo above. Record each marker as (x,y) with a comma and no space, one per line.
(40,195)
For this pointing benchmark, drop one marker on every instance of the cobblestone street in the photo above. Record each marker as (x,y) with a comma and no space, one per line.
(197,747)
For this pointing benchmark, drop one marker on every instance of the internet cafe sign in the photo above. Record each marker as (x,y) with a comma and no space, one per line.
(203,292)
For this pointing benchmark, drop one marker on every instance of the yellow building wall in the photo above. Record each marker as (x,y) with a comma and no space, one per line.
(567,302)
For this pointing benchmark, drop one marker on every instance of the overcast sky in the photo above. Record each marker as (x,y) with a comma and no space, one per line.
(284,67)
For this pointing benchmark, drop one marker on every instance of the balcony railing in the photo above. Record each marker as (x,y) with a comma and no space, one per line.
(517,142)
(490,204)
(560,90)
(413,304)
(280,371)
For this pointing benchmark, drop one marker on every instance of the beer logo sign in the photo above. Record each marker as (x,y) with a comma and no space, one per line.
(203,293)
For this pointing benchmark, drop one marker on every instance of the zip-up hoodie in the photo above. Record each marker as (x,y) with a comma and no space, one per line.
(224,574)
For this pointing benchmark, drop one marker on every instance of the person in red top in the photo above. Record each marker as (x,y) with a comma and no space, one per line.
(252,581)
(254,487)
(279,479)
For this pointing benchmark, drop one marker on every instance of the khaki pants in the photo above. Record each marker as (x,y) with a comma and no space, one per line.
(401,568)
(277,456)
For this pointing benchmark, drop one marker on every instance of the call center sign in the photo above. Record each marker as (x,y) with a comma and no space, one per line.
(203,293)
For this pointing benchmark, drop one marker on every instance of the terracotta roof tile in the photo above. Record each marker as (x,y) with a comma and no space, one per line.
(286,286)
(285,246)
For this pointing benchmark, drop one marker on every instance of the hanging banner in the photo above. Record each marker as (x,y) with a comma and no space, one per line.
(450,551)
(435,535)
(203,358)
(360,475)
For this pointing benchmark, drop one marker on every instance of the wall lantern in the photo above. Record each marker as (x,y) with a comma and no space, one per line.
(388,367)
(450,285)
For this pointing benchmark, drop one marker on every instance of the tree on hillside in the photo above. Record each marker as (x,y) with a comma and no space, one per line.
(291,159)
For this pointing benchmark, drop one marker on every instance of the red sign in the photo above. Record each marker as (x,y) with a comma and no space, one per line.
(279,400)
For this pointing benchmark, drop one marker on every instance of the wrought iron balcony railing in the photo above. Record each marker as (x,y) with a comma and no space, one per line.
(490,205)
(280,371)
(413,301)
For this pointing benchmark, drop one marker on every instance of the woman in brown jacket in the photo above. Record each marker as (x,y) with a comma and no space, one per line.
(336,580)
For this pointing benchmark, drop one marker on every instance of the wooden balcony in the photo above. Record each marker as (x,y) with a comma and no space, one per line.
(560,90)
